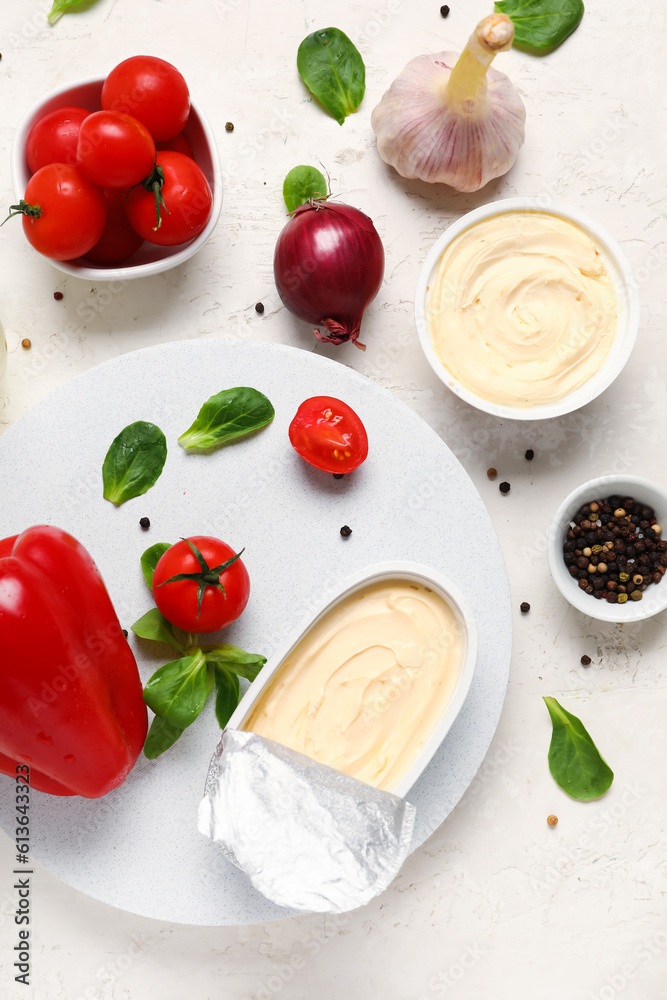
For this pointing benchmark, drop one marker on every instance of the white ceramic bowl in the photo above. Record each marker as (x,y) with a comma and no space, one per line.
(373,574)
(626,292)
(149,259)
(643,490)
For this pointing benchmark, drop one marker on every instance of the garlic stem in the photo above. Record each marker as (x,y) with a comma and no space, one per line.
(467,80)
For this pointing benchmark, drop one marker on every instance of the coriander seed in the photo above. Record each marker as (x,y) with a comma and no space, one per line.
(552,820)
(492,473)
(26,344)
(229,126)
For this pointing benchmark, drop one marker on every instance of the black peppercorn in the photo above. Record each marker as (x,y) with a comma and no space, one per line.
(125,633)
(144,522)
(525,607)
(346,531)
(530,455)
(444,10)
(58,296)
(585,660)
(338,475)
(259,308)
(504,487)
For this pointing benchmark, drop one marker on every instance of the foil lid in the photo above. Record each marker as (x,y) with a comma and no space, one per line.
(307,836)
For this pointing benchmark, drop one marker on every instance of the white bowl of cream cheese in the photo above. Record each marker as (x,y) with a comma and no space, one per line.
(374,681)
(526,311)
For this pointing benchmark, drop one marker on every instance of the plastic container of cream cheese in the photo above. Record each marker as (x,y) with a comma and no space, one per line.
(374,681)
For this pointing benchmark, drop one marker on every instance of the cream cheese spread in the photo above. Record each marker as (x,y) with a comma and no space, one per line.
(365,687)
(522,308)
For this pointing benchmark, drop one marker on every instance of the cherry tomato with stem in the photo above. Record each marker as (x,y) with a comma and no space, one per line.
(151,90)
(328,434)
(63,213)
(114,150)
(200,584)
(118,240)
(173,204)
(54,138)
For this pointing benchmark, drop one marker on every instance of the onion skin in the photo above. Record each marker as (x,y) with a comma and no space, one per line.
(328,266)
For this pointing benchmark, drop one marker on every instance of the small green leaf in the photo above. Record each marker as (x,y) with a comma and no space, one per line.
(178,690)
(161,736)
(229,415)
(61,7)
(150,559)
(542,24)
(227,695)
(153,625)
(331,67)
(301,184)
(134,462)
(574,760)
(236,660)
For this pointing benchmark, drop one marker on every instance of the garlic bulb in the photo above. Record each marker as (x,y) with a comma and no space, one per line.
(453,120)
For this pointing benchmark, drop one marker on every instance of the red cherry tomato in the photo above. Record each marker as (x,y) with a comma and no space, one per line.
(328,434)
(179,144)
(118,240)
(54,137)
(187,198)
(114,150)
(178,600)
(151,90)
(72,212)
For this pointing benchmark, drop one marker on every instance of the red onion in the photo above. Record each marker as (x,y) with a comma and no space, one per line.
(328,267)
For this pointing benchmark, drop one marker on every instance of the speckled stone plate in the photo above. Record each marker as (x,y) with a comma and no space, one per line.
(138,848)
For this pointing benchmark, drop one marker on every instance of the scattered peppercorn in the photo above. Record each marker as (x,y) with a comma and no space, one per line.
(125,633)
(492,473)
(525,607)
(530,455)
(444,10)
(144,522)
(504,487)
(346,531)
(338,475)
(259,308)
(58,296)
(585,661)
(613,550)
(229,126)
(26,344)
(552,820)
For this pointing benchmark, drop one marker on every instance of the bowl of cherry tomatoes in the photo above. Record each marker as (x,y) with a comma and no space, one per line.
(118,177)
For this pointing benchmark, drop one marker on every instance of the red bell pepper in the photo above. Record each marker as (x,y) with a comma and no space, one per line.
(71,702)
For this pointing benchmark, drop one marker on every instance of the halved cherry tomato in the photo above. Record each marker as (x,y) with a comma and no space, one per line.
(63,213)
(118,240)
(328,434)
(114,150)
(151,90)
(53,139)
(186,202)
(196,605)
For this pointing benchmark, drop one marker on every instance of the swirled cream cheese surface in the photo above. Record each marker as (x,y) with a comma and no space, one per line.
(522,308)
(364,688)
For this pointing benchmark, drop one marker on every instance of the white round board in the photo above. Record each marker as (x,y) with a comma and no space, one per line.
(138,848)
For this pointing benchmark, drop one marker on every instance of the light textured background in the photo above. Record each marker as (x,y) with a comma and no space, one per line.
(495,904)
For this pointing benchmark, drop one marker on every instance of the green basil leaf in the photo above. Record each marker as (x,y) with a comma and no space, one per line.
(229,415)
(61,7)
(236,660)
(153,625)
(134,462)
(227,695)
(331,67)
(150,559)
(161,736)
(301,184)
(574,760)
(178,690)
(542,24)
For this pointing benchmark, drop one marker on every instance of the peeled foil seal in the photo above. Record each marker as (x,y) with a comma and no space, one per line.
(307,836)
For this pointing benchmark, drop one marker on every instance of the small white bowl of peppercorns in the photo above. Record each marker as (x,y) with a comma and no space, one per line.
(606,549)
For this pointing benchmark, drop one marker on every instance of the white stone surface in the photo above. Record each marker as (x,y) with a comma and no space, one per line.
(496,903)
